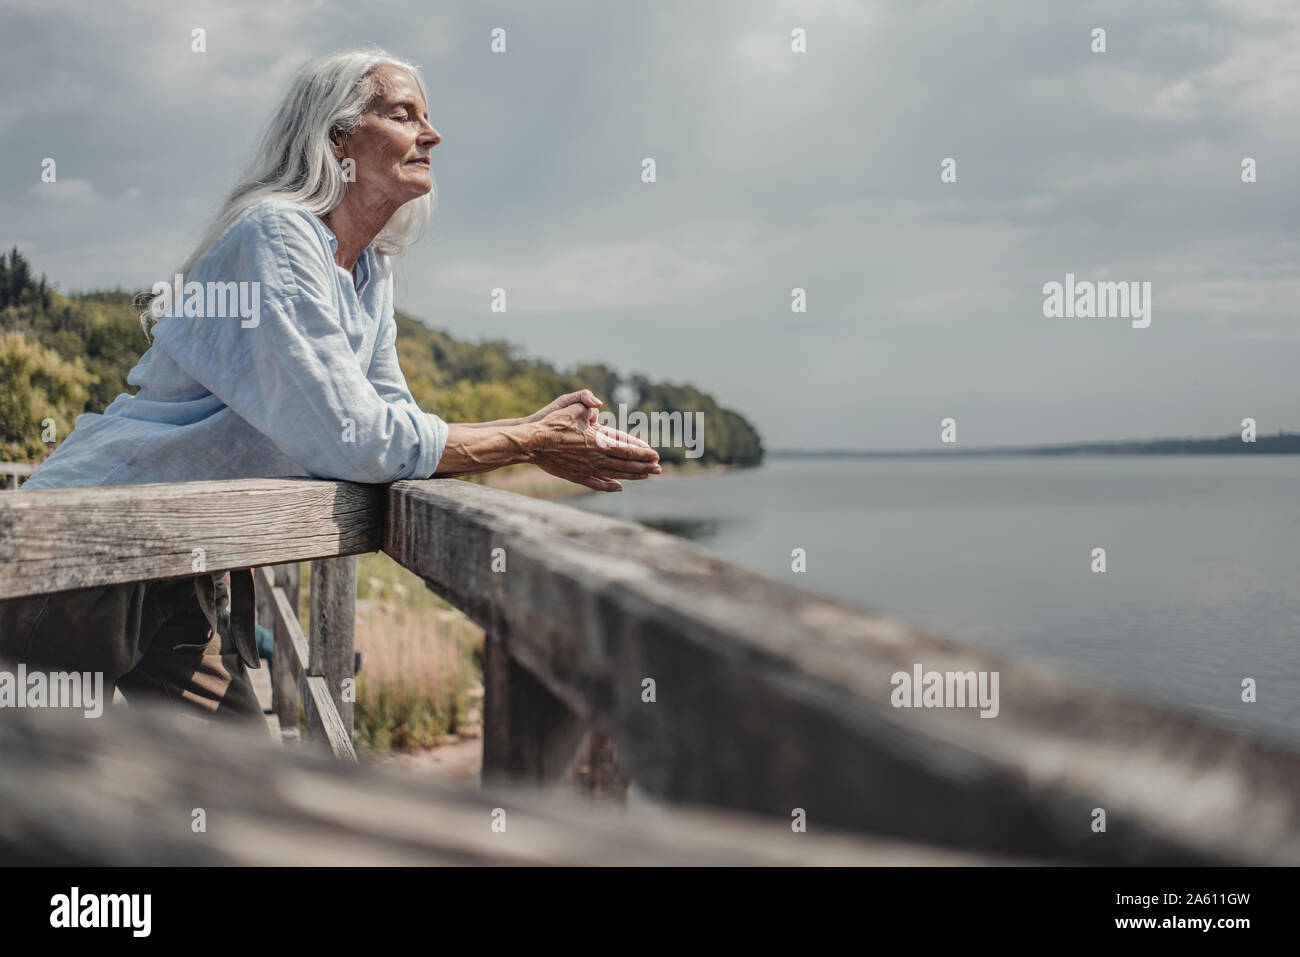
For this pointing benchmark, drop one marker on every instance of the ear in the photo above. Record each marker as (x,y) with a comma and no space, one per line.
(336,144)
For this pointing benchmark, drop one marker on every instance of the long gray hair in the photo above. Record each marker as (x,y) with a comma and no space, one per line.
(294,162)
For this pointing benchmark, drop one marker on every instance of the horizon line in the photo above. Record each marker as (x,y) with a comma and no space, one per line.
(1012,449)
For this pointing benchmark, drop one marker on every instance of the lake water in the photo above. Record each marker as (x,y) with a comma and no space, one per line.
(1202,558)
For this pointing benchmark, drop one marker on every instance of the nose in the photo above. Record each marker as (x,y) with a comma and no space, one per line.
(429,137)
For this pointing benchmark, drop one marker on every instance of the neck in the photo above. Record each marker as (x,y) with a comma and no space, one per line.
(355,224)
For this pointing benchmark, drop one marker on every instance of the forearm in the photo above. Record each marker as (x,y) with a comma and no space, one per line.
(494,424)
(473,448)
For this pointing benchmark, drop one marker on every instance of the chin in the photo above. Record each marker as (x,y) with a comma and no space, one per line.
(411,188)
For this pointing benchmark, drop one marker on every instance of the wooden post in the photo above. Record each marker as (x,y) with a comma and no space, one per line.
(531,738)
(284,685)
(331,641)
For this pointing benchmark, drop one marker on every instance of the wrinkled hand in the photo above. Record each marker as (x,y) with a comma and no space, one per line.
(585,396)
(571,445)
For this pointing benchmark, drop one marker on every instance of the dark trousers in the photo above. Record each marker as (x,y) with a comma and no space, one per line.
(183,640)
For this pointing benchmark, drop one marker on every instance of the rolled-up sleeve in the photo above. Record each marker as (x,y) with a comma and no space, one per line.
(293,374)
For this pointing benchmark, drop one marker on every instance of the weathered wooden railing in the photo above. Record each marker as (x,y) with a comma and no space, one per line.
(52,541)
(615,654)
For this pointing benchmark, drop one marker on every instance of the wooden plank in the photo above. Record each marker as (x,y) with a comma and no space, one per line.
(325,726)
(769,698)
(260,679)
(332,640)
(61,539)
(284,683)
(71,794)
(528,734)
(273,727)
(295,642)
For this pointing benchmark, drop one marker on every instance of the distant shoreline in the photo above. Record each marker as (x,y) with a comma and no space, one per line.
(1284,443)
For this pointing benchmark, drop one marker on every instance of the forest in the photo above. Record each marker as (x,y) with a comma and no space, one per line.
(62,355)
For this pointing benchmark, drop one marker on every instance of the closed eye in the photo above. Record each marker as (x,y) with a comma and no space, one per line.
(405,113)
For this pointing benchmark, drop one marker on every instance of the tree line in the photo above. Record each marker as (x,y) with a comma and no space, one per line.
(62,355)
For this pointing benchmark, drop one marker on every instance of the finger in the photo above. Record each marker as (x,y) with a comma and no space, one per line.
(634,453)
(635,468)
(585,396)
(599,484)
(610,437)
(625,475)
(618,436)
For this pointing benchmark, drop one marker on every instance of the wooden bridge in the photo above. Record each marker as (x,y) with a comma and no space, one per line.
(770,704)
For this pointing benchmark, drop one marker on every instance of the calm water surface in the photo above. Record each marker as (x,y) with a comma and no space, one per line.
(1202,560)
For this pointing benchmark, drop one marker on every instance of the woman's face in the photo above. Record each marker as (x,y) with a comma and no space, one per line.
(391,143)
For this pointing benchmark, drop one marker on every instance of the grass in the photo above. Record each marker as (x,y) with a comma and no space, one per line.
(421,660)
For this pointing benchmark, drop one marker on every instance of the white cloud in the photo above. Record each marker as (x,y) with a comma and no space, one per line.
(578,278)
(66,191)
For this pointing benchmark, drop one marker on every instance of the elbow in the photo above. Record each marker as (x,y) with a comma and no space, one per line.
(368,466)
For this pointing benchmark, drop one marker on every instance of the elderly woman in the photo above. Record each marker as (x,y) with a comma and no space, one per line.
(301,380)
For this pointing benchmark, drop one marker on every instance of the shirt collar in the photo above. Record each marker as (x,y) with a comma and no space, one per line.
(361,271)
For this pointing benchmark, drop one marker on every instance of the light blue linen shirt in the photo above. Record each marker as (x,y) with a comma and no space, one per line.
(312,389)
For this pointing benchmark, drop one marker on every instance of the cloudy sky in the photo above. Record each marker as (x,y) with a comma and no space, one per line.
(776,170)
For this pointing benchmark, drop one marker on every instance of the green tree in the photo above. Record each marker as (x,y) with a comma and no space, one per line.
(72,354)
(38,384)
